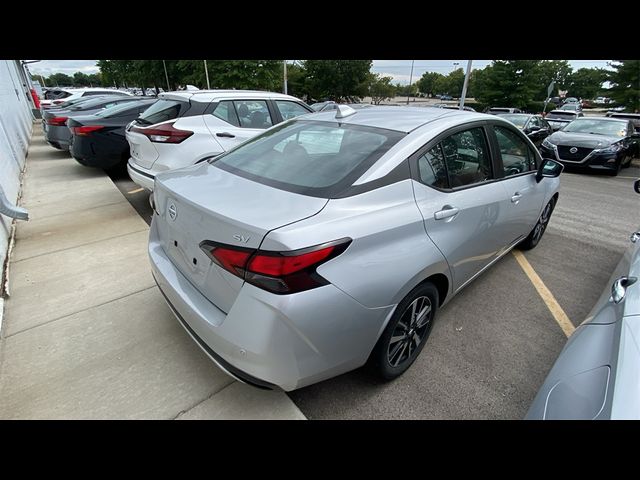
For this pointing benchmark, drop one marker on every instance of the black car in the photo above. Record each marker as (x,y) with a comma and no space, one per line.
(99,140)
(596,143)
(533,126)
(560,118)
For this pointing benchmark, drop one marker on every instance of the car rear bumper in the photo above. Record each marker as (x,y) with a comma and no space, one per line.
(140,176)
(273,341)
(58,137)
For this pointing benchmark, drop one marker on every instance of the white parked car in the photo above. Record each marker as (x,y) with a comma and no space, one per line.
(186,127)
(57,96)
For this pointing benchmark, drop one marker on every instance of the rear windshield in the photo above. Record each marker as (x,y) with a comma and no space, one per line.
(561,115)
(503,110)
(517,120)
(319,159)
(121,109)
(163,110)
(95,102)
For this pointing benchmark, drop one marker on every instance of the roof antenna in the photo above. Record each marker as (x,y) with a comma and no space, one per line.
(344,111)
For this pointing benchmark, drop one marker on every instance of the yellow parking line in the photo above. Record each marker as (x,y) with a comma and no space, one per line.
(136,190)
(621,176)
(551,302)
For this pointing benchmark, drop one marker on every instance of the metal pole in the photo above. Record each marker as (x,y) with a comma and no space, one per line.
(43,82)
(166,75)
(410,80)
(285,77)
(464,86)
(207,73)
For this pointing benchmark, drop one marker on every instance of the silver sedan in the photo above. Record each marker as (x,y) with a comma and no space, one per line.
(331,240)
(596,376)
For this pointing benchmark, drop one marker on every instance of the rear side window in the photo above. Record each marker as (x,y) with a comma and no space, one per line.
(516,155)
(318,159)
(253,113)
(226,111)
(164,110)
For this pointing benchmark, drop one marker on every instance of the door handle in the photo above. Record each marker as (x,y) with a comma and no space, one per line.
(516,197)
(619,288)
(446,212)
(225,135)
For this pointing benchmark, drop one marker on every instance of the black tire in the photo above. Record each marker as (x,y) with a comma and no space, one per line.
(616,171)
(539,228)
(389,358)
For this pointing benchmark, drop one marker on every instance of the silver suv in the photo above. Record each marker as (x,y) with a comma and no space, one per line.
(332,239)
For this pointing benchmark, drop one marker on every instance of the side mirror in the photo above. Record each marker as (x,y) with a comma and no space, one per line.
(636,186)
(549,168)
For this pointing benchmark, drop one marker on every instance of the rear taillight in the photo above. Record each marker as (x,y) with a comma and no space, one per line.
(165,133)
(85,130)
(277,272)
(57,121)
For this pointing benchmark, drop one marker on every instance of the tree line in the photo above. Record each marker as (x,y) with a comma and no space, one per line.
(513,83)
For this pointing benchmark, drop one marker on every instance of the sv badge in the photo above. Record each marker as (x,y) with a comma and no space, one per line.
(241,238)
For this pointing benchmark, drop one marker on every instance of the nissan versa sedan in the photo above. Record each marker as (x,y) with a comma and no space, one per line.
(332,239)
(596,376)
(596,143)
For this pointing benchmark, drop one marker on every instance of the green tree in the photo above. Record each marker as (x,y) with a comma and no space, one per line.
(60,80)
(406,90)
(586,82)
(337,79)
(625,84)
(80,79)
(546,71)
(381,88)
(511,83)
(427,83)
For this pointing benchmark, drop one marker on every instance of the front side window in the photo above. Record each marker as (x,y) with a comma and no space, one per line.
(467,158)
(431,167)
(514,151)
(290,109)
(253,114)
(308,157)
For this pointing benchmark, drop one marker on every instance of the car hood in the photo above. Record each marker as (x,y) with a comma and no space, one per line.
(586,140)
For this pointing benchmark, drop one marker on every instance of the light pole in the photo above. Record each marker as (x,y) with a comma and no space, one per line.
(285,76)
(207,74)
(464,86)
(166,75)
(410,80)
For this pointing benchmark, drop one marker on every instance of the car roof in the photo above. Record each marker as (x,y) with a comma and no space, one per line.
(403,119)
(211,95)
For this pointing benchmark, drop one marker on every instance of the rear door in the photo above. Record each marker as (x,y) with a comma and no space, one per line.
(143,150)
(462,205)
(232,122)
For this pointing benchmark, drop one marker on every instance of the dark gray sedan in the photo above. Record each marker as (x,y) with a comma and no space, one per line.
(58,135)
(597,375)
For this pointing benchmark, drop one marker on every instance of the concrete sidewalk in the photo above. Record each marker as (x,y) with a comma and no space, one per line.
(86,333)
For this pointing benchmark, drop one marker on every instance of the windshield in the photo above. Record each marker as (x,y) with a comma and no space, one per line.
(75,101)
(95,102)
(308,157)
(571,106)
(517,120)
(598,127)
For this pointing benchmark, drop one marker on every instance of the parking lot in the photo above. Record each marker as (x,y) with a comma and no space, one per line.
(493,345)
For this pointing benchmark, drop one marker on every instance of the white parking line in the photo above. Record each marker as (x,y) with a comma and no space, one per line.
(551,302)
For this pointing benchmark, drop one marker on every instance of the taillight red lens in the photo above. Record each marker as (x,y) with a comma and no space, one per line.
(278,265)
(57,121)
(165,133)
(277,272)
(86,130)
(231,259)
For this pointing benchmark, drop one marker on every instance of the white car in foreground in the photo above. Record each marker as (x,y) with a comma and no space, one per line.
(183,128)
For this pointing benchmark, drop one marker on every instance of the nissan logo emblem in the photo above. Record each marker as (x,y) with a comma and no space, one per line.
(573,150)
(173,211)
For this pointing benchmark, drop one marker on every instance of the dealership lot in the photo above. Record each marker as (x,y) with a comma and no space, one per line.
(493,345)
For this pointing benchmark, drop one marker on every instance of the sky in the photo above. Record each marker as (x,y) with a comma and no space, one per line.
(399,70)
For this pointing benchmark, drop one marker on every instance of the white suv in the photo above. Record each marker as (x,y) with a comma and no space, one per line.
(184,128)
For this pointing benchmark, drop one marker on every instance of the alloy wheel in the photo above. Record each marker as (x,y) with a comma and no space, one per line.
(410,331)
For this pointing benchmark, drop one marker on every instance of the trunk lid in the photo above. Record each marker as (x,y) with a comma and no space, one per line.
(203,202)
